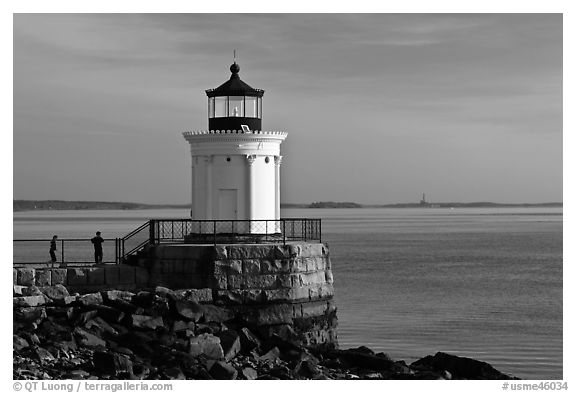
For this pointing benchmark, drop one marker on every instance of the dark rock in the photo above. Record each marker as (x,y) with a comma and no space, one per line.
(180,326)
(110,314)
(29,315)
(83,318)
(459,367)
(112,363)
(86,339)
(32,338)
(146,321)
(213,313)
(362,349)
(248,340)
(249,373)
(32,290)
(114,295)
(206,344)
(190,311)
(76,374)
(270,356)
(29,301)
(223,371)
(153,304)
(174,373)
(163,292)
(230,342)
(91,299)
(19,343)
(100,325)
(43,355)
(306,369)
(364,360)
(56,292)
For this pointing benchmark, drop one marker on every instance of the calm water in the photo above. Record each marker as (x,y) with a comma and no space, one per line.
(483,283)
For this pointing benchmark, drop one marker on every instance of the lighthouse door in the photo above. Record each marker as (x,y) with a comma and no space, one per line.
(228,204)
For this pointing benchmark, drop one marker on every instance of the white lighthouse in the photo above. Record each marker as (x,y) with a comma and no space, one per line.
(235,164)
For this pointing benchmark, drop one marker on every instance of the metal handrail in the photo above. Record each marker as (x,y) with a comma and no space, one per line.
(214,232)
(62,250)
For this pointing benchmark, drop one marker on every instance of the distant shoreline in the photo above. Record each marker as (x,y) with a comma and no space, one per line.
(28,205)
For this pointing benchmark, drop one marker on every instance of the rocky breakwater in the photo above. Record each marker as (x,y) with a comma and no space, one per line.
(181,334)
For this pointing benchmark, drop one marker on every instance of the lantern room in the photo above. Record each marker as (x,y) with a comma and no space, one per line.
(234,104)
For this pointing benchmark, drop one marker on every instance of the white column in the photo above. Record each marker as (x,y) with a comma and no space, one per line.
(251,205)
(277,162)
(193,213)
(208,168)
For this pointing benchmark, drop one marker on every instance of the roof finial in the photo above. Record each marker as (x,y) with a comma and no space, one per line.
(234,68)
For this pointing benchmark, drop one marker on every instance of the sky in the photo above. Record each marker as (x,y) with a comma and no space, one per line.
(379,108)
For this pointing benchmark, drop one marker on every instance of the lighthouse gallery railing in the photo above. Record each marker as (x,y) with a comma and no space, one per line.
(215,232)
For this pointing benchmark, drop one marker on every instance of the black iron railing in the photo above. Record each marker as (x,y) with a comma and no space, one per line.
(163,231)
(69,252)
(215,232)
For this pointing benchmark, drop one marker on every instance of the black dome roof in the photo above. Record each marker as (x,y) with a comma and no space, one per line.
(234,86)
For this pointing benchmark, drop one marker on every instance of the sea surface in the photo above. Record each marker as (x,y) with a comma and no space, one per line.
(484,283)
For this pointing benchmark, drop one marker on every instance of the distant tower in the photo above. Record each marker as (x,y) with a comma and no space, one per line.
(235,165)
(423,200)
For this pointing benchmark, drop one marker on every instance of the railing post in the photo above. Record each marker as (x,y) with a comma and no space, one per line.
(152,235)
(320,231)
(214,226)
(62,247)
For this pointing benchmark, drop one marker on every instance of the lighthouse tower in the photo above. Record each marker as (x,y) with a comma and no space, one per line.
(235,164)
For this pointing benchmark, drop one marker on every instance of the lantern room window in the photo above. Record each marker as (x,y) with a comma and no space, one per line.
(236,106)
(251,108)
(220,106)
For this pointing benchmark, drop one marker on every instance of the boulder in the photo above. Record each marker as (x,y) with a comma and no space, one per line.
(43,355)
(112,363)
(86,339)
(100,325)
(174,373)
(459,367)
(307,369)
(146,321)
(248,340)
(32,290)
(249,373)
(213,313)
(114,294)
(91,299)
(188,310)
(57,292)
(364,360)
(152,303)
(223,371)
(19,343)
(29,301)
(206,344)
(270,356)
(29,314)
(180,326)
(230,342)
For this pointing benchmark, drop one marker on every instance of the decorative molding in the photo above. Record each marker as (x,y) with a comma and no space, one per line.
(233,136)
(209,158)
(250,158)
(277,160)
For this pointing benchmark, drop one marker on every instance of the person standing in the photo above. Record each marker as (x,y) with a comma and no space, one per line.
(97,241)
(53,249)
